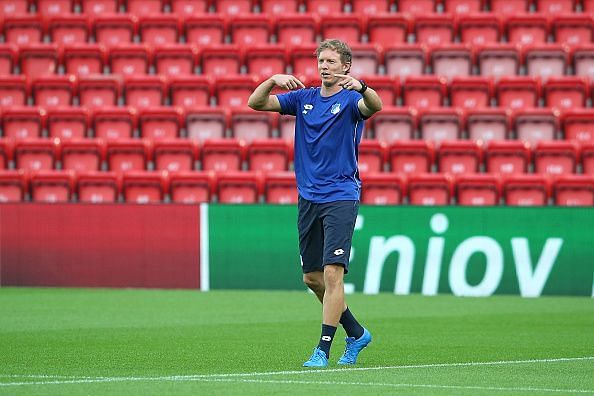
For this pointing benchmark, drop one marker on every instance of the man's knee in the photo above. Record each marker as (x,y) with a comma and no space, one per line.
(314,280)
(333,275)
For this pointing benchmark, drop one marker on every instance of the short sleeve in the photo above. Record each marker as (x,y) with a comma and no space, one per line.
(289,102)
(355,97)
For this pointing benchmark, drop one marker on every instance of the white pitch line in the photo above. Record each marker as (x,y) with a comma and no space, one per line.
(82,380)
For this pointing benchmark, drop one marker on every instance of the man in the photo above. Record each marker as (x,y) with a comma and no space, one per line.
(328,128)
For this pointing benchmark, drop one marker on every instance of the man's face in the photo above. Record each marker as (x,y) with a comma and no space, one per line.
(329,63)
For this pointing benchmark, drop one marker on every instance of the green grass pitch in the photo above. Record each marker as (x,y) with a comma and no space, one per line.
(94,341)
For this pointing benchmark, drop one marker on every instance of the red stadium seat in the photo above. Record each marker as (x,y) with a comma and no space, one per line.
(366,59)
(191,187)
(14,91)
(459,157)
(518,92)
(248,125)
(434,29)
(233,7)
(286,127)
(35,154)
(417,6)
(160,122)
(452,60)
(69,29)
(478,190)
(54,7)
(556,157)
(555,6)
(250,29)
(84,59)
(296,29)
(114,122)
(13,7)
(52,91)
(221,60)
(144,7)
(372,156)
(130,60)
(23,122)
(370,7)
(143,187)
(145,91)
(38,60)
(82,155)
(471,92)
(8,58)
(527,29)
(573,29)
(115,29)
(303,60)
(498,60)
(526,190)
(204,123)
(412,156)
(99,7)
(324,7)
(346,27)
(588,6)
(222,155)
(13,186)
(383,189)
(234,91)
(479,29)
(175,59)
(205,29)
(463,6)
(405,60)
(430,189)
(437,124)
(486,124)
(394,123)
(124,155)
(67,122)
(280,188)
(265,60)
(98,187)
(52,186)
(546,60)
(424,91)
(175,155)
(279,7)
(189,7)
(387,29)
(534,125)
(574,190)
(6,152)
(507,157)
(239,187)
(191,91)
(587,149)
(23,29)
(159,29)
(567,92)
(387,87)
(578,124)
(268,155)
(99,91)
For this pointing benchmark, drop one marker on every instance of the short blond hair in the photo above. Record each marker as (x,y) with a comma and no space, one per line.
(339,46)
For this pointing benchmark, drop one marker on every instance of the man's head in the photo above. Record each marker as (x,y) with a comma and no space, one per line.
(334,57)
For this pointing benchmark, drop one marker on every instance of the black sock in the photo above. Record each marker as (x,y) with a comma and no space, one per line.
(350,324)
(326,338)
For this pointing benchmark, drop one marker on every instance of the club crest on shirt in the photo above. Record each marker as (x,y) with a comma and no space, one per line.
(335,108)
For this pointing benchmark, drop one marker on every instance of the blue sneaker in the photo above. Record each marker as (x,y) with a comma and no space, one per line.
(353,347)
(317,359)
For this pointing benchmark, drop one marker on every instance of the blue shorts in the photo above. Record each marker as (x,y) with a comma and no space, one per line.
(325,233)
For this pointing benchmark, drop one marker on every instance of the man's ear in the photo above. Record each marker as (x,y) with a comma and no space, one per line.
(346,67)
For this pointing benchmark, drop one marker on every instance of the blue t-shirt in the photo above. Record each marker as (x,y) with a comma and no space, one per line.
(327,135)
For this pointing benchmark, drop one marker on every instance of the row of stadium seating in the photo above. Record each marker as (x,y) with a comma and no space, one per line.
(324,7)
(255,187)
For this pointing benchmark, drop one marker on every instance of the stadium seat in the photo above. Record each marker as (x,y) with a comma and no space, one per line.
(265,60)
(534,125)
(383,189)
(37,60)
(303,60)
(67,122)
(507,157)
(479,29)
(279,7)
(6,152)
(555,6)
(249,29)
(280,188)
(52,186)
(387,87)
(394,123)
(249,125)
(191,187)
(517,92)
(130,60)
(583,60)
(388,29)
(268,155)
(451,60)
(587,149)
(160,122)
(83,59)
(588,6)
(234,90)
(434,29)
(286,127)
(546,60)
(174,60)
(371,156)
(189,7)
(54,7)
(124,155)
(324,7)
(190,91)
(204,123)
(366,59)
(233,7)
(159,29)
(115,29)
(13,186)
(205,29)
(405,60)
(222,155)
(82,155)
(98,187)
(114,122)
(471,92)
(35,154)
(144,187)
(144,7)
(497,60)
(417,6)
(221,60)
(99,91)
(23,29)
(566,92)
(573,29)
(424,91)
(370,7)
(175,155)
(68,28)
(578,124)
(99,7)
(437,124)
(527,29)
(556,157)
(23,122)
(8,58)
(239,187)
(573,190)
(346,27)
(296,29)
(145,91)
(411,156)
(478,190)
(463,6)
(487,124)
(14,91)
(526,190)
(430,189)
(13,7)
(53,91)
(459,157)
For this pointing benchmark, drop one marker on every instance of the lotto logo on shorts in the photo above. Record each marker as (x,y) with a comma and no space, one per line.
(338,252)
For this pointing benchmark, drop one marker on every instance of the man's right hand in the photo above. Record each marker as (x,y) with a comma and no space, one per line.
(287,81)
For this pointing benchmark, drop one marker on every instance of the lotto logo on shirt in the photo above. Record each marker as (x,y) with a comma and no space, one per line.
(306,108)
